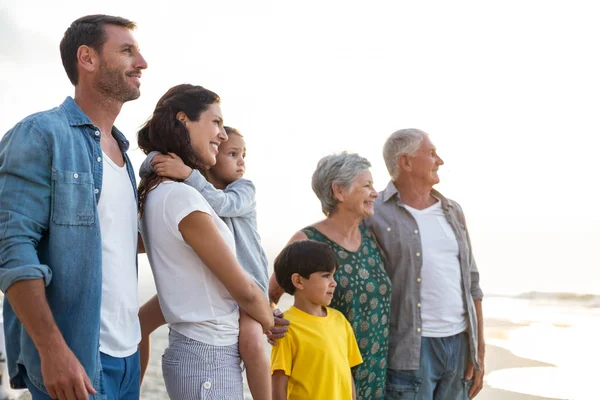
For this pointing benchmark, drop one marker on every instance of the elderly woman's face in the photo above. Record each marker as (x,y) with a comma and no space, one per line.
(359,197)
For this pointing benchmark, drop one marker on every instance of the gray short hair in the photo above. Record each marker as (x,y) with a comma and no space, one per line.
(404,141)
(341,169)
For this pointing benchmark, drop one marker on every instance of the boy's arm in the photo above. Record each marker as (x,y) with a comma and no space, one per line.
(236,200)
(353,389)
(279,383)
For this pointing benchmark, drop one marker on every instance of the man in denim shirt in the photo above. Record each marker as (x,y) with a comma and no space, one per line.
(436,344)
(68,232)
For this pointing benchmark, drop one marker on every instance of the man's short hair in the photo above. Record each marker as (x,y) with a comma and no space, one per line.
(304,258)
(404,141)
(86,31)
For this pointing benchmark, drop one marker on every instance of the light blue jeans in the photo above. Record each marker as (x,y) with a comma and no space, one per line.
(440,375)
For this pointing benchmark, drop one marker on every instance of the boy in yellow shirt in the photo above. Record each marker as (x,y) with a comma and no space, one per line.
(313,360)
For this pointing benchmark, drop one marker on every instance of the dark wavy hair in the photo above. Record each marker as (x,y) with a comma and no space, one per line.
(164,133)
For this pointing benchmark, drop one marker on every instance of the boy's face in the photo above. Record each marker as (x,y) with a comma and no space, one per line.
(318,288)
(230,164)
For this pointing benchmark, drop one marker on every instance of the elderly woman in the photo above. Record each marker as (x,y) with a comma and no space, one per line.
(344,185)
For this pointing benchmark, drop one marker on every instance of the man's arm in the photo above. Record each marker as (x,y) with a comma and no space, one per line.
(279,383)
(64,376)
(471,372)
(25,198)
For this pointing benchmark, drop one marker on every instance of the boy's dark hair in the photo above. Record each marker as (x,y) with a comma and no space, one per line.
(304,258)
(232,131)
(87,31)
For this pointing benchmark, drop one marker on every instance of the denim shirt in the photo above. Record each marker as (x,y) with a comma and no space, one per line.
(50,184)
(399,237)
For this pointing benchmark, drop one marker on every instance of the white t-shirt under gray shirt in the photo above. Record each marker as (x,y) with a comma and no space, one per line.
(443,312)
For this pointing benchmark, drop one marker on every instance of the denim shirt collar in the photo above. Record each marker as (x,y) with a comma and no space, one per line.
(77,117)
(391,190)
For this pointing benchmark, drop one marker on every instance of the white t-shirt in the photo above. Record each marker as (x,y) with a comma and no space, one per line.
(117,212)
(443,311)
(194,302)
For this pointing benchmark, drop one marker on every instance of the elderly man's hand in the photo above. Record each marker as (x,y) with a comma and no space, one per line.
(476,376)
(280,328)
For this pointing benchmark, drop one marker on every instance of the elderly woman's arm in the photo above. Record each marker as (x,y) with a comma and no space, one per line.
(275,291)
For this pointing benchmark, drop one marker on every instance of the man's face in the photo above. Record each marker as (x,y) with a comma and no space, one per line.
(425,163)
(121,65)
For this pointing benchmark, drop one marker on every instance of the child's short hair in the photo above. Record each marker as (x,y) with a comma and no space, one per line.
(304,257)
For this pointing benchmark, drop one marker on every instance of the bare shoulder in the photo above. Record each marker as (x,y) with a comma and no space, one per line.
(296,237)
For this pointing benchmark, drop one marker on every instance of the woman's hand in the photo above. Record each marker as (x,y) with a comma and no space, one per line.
(280,328)
(170,166)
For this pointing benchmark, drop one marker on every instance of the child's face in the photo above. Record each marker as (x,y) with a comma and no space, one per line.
(318,288)
(230,165)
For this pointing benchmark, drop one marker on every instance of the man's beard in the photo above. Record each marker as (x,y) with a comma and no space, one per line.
(113,84)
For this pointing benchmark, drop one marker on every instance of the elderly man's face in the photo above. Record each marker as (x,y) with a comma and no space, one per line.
(425,163)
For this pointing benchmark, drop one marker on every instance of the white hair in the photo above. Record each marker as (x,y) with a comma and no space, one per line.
(341,169)
(404,141)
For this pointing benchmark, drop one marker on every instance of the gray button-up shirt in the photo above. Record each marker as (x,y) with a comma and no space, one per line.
(398,235)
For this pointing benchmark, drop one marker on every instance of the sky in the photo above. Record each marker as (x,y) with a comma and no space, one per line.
(508,91)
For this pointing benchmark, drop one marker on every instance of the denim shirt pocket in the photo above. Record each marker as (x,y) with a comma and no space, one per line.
(73,201)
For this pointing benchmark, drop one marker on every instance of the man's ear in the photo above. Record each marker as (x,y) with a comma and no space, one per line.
(404,162)
(87,58)
(297,281)
(338,192)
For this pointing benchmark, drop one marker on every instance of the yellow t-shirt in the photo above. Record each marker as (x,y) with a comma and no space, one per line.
(317,354)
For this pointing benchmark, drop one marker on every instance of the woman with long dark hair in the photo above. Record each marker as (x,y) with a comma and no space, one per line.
(192,254)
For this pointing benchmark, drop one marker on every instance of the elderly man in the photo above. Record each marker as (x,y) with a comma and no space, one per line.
(436,344)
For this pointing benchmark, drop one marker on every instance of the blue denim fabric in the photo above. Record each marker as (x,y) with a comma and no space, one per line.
(440,375)
(50,184)
(120,377)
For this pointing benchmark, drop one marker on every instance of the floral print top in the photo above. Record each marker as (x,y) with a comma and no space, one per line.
(363,295)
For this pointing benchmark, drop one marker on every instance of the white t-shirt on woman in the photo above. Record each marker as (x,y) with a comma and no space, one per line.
(194,302)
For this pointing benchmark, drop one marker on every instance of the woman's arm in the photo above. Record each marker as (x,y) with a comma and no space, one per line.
(279,383)
(151,317)
(275,291)
(200,232)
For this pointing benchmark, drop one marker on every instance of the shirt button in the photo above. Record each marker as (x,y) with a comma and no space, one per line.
(418,329)
(418,280)
(418,254)
(207,385)
(389,229)
(99,159)
(96,191)
(419,305)
(97,133)
(416,231)
(75,176)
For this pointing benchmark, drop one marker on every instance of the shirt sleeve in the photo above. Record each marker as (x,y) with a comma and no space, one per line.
(281,355)
(25,204)
(476,291)
(354,357)
(146,167)
(180,202)
(236,200)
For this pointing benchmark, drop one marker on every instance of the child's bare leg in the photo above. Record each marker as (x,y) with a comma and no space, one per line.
(252,351)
